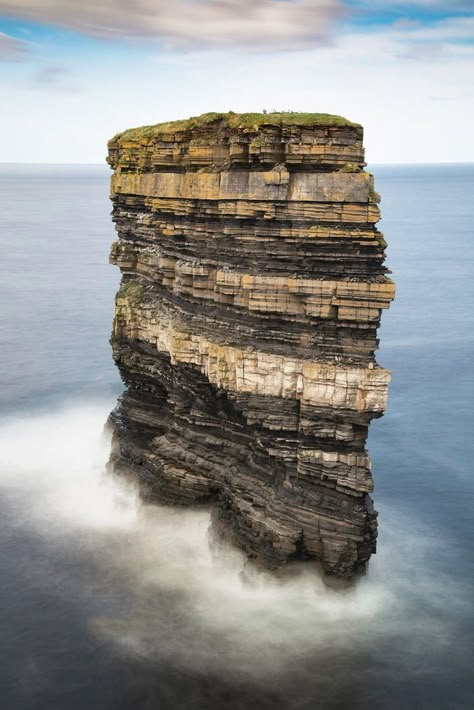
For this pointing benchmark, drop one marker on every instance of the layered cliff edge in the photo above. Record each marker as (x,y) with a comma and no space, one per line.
(253,282)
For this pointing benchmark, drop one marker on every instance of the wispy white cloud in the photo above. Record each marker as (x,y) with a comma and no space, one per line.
(49,74)
(54,77)
(262,24)
(12,49)
(421,51)
(449,29)
(435,5)
(439,41)
(411,39)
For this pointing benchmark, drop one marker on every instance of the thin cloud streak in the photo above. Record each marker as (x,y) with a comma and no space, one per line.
(49,74)
(12,49)
(455,29)
(431,5)
(55,78)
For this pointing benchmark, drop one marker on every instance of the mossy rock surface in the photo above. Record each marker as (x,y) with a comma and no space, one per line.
(249,121)
(131,290)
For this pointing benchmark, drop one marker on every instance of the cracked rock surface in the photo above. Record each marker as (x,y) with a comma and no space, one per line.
(253,282)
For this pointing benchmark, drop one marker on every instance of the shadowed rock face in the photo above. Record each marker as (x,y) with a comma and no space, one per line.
(245,329)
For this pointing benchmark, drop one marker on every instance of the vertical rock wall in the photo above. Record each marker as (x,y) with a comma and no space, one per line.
(245,328)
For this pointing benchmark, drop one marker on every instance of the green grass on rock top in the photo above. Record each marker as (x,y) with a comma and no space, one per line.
(236,120)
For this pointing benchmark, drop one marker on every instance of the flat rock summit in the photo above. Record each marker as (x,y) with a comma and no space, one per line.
(253,283)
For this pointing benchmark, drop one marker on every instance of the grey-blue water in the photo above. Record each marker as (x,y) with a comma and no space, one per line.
(111,605)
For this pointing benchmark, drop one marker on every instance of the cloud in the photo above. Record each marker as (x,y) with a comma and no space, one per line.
(454,29)
(404,23)
(444,39)
(12,49)
(441,40)
(443,5)
(54,77)
(49,74)
(420,51)
(182,24)
(449,6)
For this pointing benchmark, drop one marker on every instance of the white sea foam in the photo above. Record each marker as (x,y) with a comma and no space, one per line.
(58,461)
(186,606)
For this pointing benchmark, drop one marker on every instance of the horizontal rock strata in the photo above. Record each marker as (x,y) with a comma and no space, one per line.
(245,328)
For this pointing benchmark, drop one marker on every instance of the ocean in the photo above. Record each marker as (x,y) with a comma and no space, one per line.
(109,604)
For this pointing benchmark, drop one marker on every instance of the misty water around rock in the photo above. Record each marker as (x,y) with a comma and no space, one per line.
(152,593)
(111,603)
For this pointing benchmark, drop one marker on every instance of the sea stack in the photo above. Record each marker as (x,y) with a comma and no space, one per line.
(253,281)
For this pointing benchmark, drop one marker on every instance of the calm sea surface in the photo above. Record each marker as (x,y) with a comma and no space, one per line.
(110,605)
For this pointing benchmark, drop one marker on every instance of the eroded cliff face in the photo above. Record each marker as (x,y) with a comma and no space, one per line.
(245,328)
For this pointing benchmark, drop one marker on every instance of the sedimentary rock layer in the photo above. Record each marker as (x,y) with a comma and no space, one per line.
(245,328)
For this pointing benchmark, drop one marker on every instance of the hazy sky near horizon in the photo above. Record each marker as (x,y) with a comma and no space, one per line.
(74,73)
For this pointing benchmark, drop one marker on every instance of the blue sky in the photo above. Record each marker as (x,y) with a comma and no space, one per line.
(72,74)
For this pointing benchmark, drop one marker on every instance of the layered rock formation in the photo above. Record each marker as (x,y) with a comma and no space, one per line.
(245,328)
